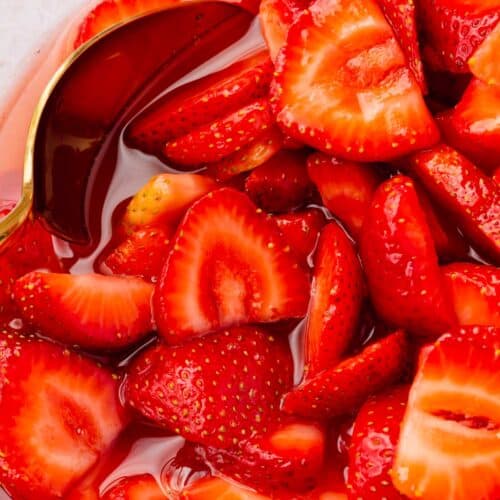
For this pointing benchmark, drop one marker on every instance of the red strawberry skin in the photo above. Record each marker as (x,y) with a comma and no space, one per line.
(401,264)
(374,439)
(483,63)
(216,390)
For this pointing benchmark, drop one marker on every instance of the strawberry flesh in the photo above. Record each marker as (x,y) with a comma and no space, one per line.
(216,487)
(484,62)
(143,487)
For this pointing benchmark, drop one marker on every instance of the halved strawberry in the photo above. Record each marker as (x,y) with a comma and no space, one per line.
(346,188)
(466,192)
(342,85)
(475,290)
(401,265)
(281,184)
(472,126)
(164,199)
(484,61)
(336,295)
(60,411)
(200,102)
(342,389)
(215,487)
(218,390)
(229,265)
(374,438)
(92,311)
(449,441)
(143,487)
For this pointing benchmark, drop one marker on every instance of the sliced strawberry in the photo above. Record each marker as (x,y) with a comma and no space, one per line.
(335,304)
(373,445)
(164,199)
(215,487)
(346,188)
(466,192)
(301,230)
(221,138)
(92,311)
(401,265)
(342,85)
(60,411)
(484,61)
(200,102)
(342,389)
(229,265)
(496,176)
(143,487)
(472,126)
(141,254)
(281,184)
(6,207)
(217,390)
(475,290)
(449,442)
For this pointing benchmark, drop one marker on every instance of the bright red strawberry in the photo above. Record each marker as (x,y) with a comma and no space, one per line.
(475,290)
(281,184)
(8,277)
(346,188)
(229,265)
(143,487)
(372,108)
(301,230)
(217,140)
(466,192)
(218,390)
(484,61)
(215,487)
(141,254)
(449,441)
(92,311)
(341,389)
(472,126)
(60,411)
(401,265)
(164,200)
(335,304)
(496,176)
(373,445)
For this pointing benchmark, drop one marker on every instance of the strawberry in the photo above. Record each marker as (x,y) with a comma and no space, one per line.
(449,442)
(341,389)
(228,266)
(217,390)
(466,192)
(301,230)
(373,445)
(60,412)
(6,207)
(92,311)
(341,117)
(141,254)
(401,265)
(143,487)
(475,290)
(217,140)
(200,102)
(472,126)
(8,277)
(215,487)
(483,63)
(346,188)
(335,304)
(281,184)
(164,199)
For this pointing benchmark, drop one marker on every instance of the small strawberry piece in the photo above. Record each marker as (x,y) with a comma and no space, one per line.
(472,126)
(215,487)
(6,207)
(223,137)
(449,440)
(281,184)
(164,200)
(466,192)
(342,389)
(475,290)
(142,254)
(60,412)
(301,230)
(200,102)
(143,487)
(401,265)
(496,176)
(484,61)
(373,445)
(216,390)
(229,265)
(335,304)
(371,109)
(92,311)
(346,188)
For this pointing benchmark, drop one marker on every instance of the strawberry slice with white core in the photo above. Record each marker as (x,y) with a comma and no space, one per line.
(229,265)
